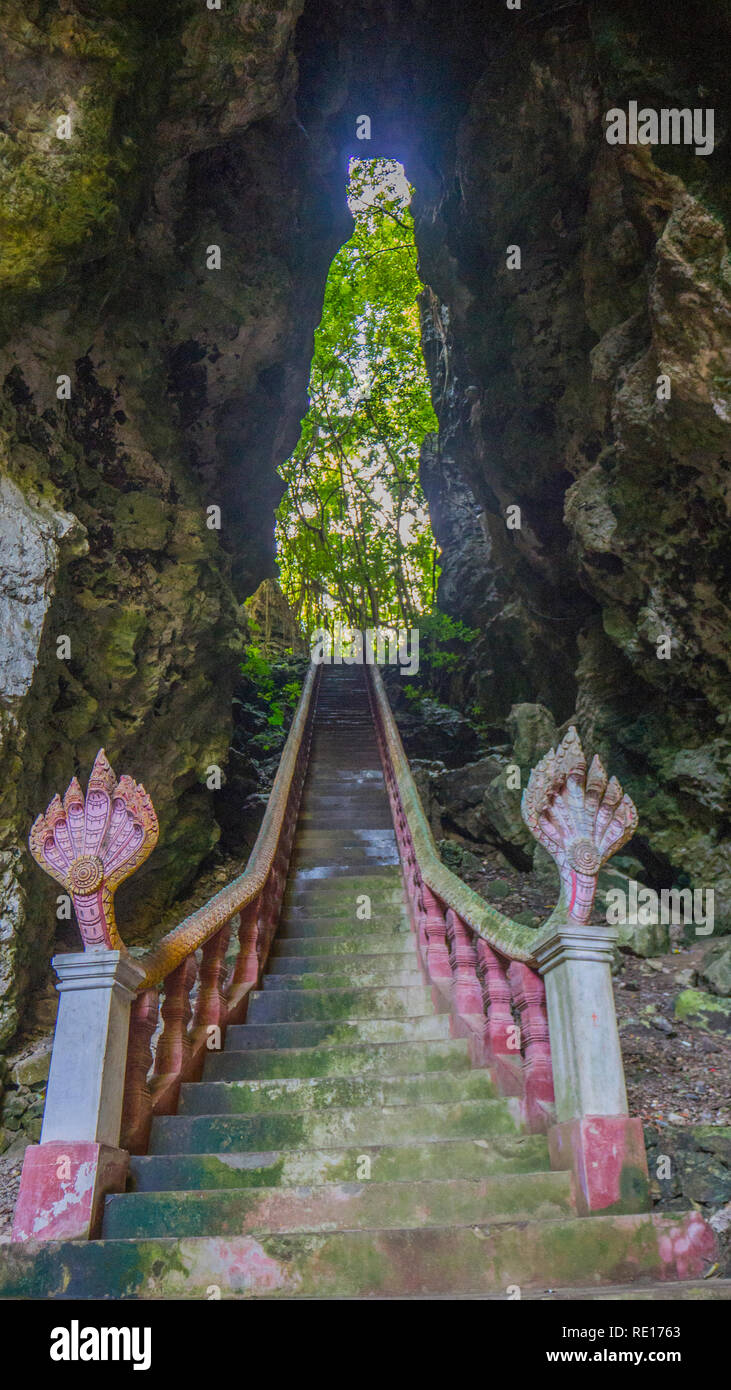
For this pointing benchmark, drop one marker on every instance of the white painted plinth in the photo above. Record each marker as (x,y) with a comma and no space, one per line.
(86,1080)
(588,1076)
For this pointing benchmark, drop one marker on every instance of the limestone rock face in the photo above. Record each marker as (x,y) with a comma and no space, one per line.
(273,625)
(550,384)
(145,401)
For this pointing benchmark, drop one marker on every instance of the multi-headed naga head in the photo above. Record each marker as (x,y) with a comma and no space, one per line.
(580,817)
(91,843)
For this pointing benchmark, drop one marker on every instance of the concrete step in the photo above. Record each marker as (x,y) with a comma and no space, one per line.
(369,977)
(338,1033)
(388,965)
(420,1161)
(395,1124)
(385,1059)
(695,1290)
(270,1095)
(335,886)
(342,861)
(306,886)
(384,921)
(399,938)
(345,1206)
(474,1259)
(290,1006)
(360,837)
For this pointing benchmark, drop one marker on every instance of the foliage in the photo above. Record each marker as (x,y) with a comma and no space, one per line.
(267,698)
(354,541)
(436,628)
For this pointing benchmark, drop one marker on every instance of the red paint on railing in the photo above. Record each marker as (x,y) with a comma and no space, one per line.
(497,1003)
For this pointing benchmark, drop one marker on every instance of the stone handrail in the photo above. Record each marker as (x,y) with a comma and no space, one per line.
(510,938)
(479,961)
(536,1006)
(199,926)
(202,997)
(107,1080)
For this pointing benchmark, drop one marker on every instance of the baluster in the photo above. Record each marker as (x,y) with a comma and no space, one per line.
(173,1049)
(269,915)
(137,1109)
(402,836)
(467,992)
(502,1034)
(211,1010)
(245,972)
(529,996)
(435,938)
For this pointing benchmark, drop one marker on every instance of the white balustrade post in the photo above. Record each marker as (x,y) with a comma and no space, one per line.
(593,1133)
(86,1079)
(78,1160)
(582,818)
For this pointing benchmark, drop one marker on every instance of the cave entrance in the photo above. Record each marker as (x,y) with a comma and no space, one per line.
(354,541)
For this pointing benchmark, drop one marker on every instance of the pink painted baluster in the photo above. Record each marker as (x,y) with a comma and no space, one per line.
(173,1049)
(245,973)
(502,1034)
(435,934)
(137,1109)
(268,915)
(529,996)
(463,958)
(211,1009)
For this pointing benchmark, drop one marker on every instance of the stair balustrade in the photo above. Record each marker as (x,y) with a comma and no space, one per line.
(535,1005)
(107,1081)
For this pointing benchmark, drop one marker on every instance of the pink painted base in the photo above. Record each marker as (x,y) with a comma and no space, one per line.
(62,1189)
(607,1156)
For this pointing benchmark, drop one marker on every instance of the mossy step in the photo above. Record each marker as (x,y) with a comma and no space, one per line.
(341,852)
(363,770)
(387,964)
(291,1006)
(469,1119)
(370,977)
(695,1290)
(338,871)
(269,1095)
(335,822)
(386,884)
(475,1259)
(342,862)
(365,812)
(338,1032)
(387,920)
(400,939)
(385,1059)
(359,804)
(441,1159)
(342,1206)
(358,836)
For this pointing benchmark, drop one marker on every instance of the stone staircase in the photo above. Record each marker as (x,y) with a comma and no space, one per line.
(342,1145)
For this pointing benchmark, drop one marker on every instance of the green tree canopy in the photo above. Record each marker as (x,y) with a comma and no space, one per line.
(353,535)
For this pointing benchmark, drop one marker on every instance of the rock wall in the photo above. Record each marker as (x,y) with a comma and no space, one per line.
(185,389)
(545,383)
(193,128)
